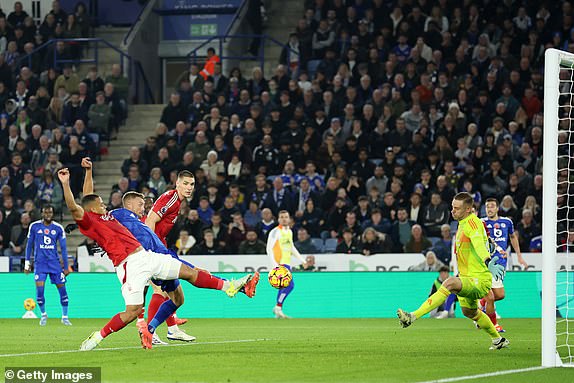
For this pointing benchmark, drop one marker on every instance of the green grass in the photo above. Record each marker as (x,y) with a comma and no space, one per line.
(297,350)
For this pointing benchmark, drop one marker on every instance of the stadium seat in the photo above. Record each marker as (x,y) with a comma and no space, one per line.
(318,243)
(330,245)
(434,240)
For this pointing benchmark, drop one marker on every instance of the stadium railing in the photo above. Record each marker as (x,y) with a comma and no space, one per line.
(134,73)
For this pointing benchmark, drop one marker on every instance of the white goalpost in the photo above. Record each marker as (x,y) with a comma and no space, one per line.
(558,168)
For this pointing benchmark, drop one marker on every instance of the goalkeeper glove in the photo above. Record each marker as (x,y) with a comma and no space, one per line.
(495,269)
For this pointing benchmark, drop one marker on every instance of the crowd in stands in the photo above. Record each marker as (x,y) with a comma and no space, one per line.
(49,116)
(377,114)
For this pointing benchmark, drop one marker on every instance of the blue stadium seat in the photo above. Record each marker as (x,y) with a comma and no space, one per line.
(330,245)
(434,240)
(318,243)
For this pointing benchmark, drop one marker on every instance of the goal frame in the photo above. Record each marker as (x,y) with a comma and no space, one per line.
(553,58)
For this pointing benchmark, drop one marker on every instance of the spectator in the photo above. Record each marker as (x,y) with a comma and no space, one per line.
(119,82)
(304,243)
(431,263)
(156,182)
(373,242)
(184,243)
(443,247)
(401,231)
(435,215)
(27,189)
(208,246)
(18,237)
(418,241)
(251,244)
(527,229)
(135,159)
(349,244)
(236,231)
(266,224)
(100,115)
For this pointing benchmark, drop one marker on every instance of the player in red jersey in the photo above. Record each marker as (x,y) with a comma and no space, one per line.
(161,219)
(134,265)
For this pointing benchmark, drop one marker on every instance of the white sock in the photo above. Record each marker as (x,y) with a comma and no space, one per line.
(141,320)
(99,336)
(173,328)
(64,317)
(44,314)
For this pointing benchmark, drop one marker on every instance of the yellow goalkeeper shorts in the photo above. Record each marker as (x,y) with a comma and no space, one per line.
(472,290)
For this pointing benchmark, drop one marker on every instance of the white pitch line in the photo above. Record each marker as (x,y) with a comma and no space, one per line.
(485,375)
(134,347)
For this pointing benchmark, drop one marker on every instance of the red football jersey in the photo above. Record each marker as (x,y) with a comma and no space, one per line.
(167,207)
(111,235)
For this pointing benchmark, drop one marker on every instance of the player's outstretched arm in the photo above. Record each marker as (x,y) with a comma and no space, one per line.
(296,253)
(29,248)
(516,246)
(75,209)
(152,219)
(88,187)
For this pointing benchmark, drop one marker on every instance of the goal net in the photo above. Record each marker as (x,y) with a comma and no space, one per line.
(558,223)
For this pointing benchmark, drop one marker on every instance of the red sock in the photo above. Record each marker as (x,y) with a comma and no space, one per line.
(142,313)
(153,306)
(279,304)
(483,302)
(207,281)
(114,325)
(493,318)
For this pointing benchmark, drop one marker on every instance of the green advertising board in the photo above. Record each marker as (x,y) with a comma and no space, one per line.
(316,295)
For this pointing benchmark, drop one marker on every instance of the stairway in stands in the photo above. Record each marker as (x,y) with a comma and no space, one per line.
(141,123)
(282,20)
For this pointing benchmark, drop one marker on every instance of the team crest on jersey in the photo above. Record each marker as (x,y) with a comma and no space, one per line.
(46,231)
(163,210)
(496,226)
(107,217)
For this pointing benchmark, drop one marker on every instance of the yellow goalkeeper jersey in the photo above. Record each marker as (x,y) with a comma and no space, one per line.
(471,248)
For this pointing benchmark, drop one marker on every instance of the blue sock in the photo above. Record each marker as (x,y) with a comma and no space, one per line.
(63,300)
(284,293)
(40,299)
(449,302)
(165,310)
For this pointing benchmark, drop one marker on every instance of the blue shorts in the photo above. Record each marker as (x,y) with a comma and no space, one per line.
(55,278)
(167,286)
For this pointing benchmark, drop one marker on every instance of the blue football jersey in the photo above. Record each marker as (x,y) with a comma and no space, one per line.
(42,244)
(148,239)
(500,230)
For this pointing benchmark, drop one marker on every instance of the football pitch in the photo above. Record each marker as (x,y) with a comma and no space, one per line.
(294,350)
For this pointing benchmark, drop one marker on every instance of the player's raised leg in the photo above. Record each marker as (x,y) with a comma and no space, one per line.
(450,286)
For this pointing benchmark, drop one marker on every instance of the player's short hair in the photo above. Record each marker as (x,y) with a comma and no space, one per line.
(87,199)
(132,195)
(491,200)
(465,197)
(443,269)
(47,206)
(185,173)
(283,212)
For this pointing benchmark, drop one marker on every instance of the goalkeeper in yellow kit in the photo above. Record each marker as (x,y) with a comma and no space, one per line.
(476,270)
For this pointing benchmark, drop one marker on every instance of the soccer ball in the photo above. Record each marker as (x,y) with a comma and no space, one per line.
(29,304)
(280,277)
